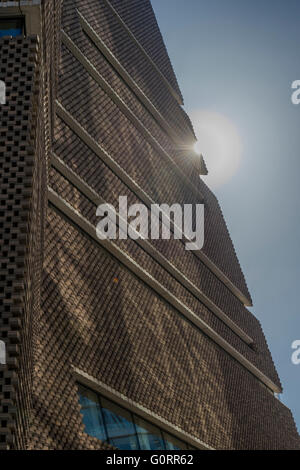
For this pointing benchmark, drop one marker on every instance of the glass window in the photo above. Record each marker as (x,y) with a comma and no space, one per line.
(150,437)
(120,427)
(172,443)
(92,416)
(11,26)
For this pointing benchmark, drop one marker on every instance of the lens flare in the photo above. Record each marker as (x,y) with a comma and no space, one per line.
(220,144)
(197,148)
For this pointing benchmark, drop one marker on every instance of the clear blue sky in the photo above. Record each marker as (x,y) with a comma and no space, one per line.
(239,58)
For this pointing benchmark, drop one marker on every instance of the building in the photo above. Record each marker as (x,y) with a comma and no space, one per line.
(115,343)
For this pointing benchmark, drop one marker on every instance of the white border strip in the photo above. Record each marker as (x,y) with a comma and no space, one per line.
(59,165)
(134,407)
(134,267)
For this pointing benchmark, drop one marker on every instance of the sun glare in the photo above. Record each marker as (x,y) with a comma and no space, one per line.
(220,144)
(197,148)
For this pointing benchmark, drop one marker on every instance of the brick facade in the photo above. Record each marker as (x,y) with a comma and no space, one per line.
(74,123)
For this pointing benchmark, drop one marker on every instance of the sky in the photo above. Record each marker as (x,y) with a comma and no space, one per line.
(235,61)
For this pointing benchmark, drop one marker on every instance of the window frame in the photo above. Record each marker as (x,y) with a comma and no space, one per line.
(162,432)
(4,19)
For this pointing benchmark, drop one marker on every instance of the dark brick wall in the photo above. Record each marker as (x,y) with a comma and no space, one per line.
(83,161)
(88,210)
(126,336)
(140,19)
(105,24)
(21,146)
(25,141)
(125,144)
(61,305)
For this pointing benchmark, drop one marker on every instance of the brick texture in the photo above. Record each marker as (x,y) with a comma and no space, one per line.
(21,222)
(140,19)
(60,304)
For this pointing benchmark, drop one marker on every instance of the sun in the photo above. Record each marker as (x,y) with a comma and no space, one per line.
(220,144)
(197,148)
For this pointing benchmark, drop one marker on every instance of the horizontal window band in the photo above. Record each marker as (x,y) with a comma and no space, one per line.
(109,56)
(126,111)
(133,186)
(140,273)
(92,195)
(131,35)
(112,394)
(224,279)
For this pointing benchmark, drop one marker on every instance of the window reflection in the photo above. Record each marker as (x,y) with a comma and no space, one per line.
(172,443)
(120,428)
(92,416)
(150,437)
(112,423)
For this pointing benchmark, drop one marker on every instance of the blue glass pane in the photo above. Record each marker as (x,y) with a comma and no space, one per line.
(91,411)
(10,32)
(149,436)
(119,425)
(111,423)
(125,443)
(172,443)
